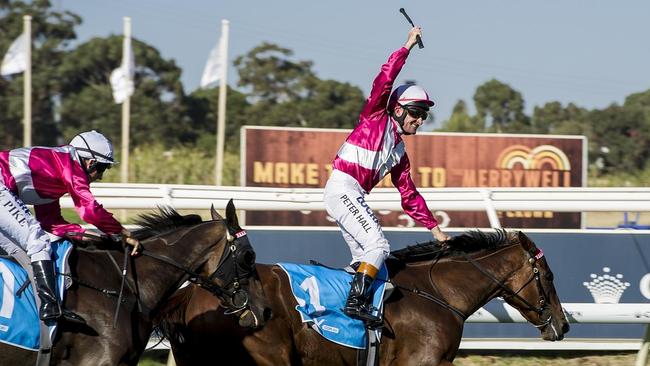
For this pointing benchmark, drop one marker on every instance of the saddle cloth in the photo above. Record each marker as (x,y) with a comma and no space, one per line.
(321,293)
(19,322)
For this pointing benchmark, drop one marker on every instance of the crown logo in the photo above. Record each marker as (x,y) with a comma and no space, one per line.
(606,289)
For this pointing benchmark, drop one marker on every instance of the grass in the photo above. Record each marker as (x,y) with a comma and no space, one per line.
(552,359)
(159,358)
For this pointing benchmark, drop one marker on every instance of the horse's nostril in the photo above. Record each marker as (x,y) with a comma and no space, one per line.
(268,313)
(565,328)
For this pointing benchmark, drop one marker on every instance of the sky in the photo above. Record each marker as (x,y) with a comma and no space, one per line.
(588,52)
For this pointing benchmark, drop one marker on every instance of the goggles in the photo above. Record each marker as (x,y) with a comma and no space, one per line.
(415,112)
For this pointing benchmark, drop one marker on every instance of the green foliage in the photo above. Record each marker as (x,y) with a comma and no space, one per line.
(202,107)
(172,135)
(500,107)
(620,138)
(51,32)
(156,163)
(288,93)
(461,121)
(633,178)
(271,76)
(553,118)
(157,106)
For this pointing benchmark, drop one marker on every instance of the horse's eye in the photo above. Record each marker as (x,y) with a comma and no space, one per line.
(549,276)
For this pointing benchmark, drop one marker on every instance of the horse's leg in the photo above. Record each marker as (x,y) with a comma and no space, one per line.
(445,363)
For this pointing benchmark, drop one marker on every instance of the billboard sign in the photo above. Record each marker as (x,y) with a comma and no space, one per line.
(298,158)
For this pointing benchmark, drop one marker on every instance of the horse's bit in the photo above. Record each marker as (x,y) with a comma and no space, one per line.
(237,264)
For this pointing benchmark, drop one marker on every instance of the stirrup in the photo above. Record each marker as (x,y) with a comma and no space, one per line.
(362,314)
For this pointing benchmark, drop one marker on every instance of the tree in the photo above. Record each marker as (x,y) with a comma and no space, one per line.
(620,138)
(329,104)
(461,121)
(158,110)
(202,106)
(500,107)
(51,33)
(267,71)
(288,93)
(553,118)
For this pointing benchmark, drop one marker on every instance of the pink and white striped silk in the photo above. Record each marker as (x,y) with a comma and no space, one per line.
(39,176)
(375,147)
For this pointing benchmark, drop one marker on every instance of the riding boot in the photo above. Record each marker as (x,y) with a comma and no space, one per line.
(46,289)
(358,304)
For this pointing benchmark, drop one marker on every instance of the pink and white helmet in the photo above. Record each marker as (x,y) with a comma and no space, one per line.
(410,94)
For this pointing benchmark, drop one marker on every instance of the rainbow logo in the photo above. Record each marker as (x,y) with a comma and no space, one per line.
(544,156)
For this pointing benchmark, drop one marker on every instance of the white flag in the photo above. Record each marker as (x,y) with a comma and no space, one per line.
(122,77)
(215,65)
(15,60)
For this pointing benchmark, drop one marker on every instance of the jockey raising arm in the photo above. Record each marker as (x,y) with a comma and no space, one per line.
(374,149)
(40,176)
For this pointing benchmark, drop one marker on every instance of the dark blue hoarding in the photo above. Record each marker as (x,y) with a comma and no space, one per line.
(589,267)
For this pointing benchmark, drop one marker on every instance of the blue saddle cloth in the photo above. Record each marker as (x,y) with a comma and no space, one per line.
(321,293)
(19,323)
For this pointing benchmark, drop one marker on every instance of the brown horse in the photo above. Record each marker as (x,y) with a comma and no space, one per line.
(214,254)
(435,291)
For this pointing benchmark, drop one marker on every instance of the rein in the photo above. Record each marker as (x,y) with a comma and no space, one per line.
(435,300)
(230,258)
(535,276)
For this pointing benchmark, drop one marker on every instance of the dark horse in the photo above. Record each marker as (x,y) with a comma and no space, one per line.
(435,291)
(215,254)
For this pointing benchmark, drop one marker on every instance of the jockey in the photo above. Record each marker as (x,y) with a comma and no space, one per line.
(39,176)
(374,149)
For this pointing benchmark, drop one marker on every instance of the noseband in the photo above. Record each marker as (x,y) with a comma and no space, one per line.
(235,267)
(535,255)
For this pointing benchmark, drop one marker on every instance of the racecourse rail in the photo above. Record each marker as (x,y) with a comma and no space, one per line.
(490,200)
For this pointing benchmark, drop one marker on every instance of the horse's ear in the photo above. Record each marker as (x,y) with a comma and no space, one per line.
(231,215)
(214,213)
(525,240)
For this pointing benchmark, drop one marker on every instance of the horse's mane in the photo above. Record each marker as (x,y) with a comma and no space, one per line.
(162,221)
(172,314)
(469,242)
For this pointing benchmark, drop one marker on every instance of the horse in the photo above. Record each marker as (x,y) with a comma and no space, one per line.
(215,255)
(436,289)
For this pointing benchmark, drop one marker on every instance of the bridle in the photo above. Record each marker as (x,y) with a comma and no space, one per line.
(535,255)
(236,266)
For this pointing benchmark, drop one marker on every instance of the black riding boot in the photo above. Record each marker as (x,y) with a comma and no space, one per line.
(358,303)
(46,289)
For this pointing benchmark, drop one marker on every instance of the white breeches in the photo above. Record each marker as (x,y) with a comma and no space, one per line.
(19,229)
(345,203)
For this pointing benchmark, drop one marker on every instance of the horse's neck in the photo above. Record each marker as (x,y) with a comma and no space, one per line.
(150,282)
(471,289)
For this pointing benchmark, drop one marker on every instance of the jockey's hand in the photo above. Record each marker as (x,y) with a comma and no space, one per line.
(412,37)
(439,235)
(130,240)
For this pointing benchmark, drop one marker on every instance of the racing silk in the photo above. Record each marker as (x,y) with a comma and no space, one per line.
(39,176)
(375,147)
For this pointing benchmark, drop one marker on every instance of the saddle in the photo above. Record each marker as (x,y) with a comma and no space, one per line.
(19,322)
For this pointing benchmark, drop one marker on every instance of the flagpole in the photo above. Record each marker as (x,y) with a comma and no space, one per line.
(126,111)
(27,84)
(221,117)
